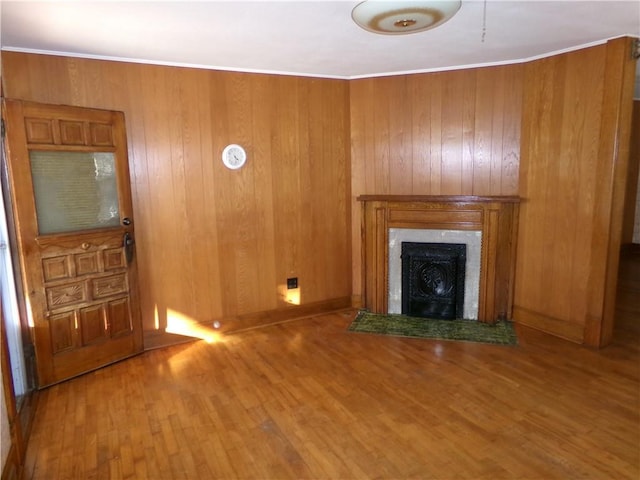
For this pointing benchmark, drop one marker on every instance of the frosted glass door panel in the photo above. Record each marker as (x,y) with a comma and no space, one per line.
(74,191)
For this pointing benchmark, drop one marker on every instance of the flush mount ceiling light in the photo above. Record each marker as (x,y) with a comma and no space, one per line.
(401,17)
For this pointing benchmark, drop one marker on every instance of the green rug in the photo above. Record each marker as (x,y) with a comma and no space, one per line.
(502,333)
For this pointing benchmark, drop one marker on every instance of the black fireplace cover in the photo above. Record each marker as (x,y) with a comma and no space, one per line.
(433,280)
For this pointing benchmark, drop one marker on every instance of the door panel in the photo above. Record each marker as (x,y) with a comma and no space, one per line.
(119,318)
(69,178)
(92,324)
(62,331)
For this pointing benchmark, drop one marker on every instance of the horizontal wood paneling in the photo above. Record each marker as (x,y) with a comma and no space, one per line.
(214,243)
(447,133)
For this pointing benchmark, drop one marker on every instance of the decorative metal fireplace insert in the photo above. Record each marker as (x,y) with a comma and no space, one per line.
(433,276)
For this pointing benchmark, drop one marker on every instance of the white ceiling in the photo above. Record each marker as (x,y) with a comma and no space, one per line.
(314,38)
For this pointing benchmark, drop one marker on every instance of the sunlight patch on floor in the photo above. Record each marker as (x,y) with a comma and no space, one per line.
(181,324)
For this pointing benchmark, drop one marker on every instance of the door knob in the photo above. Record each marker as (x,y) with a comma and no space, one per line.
(126,221)
(127,243)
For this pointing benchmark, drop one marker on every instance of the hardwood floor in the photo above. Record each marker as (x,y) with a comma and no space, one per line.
(307,399)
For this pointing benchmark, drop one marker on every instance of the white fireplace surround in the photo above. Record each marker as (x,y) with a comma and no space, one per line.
(471,238)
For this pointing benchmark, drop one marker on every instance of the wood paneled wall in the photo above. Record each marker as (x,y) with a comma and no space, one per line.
(575,139)
(214,243)
(460,133)
(448,133)
(218,244)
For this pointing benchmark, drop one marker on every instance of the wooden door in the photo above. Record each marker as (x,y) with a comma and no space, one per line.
(71,198)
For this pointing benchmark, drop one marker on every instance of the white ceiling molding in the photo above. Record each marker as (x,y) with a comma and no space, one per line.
(308,38)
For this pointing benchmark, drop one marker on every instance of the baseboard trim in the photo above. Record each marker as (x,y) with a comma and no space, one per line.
(13,466)
(554,326)
(159,339)
(356,301)
(281,315)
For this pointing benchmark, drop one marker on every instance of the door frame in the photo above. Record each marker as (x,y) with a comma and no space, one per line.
(20,412)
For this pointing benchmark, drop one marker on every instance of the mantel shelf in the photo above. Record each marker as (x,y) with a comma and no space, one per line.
(466,199)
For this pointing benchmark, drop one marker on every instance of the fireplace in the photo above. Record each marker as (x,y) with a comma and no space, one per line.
(433,277)
(471,239)
(487,225)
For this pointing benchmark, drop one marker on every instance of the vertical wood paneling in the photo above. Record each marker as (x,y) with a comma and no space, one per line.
(435,86)
(454,133)
(159,222)
(468,131)
(382,140)
(210,242)
(511,130)
(326,205)
(572,155)
(452,119)
(421,136)
(536,84)
(138,171)
(286,183)
(227,241)
(497,132)
(613,155)
(239,254)
(400,164)
(312,149)
(178,124)
(214,243)
(483,131)
(264,220)
(196,221)
(548,192)
(223,190)
(360,123)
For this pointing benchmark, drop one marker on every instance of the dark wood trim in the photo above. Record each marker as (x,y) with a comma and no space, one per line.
(462,199)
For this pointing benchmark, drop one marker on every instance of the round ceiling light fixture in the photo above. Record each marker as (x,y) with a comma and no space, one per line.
(402,17)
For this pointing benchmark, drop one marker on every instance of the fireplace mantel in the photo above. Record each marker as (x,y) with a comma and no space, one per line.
(496,217)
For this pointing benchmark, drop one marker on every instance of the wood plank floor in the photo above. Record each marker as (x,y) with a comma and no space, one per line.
(307,399)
